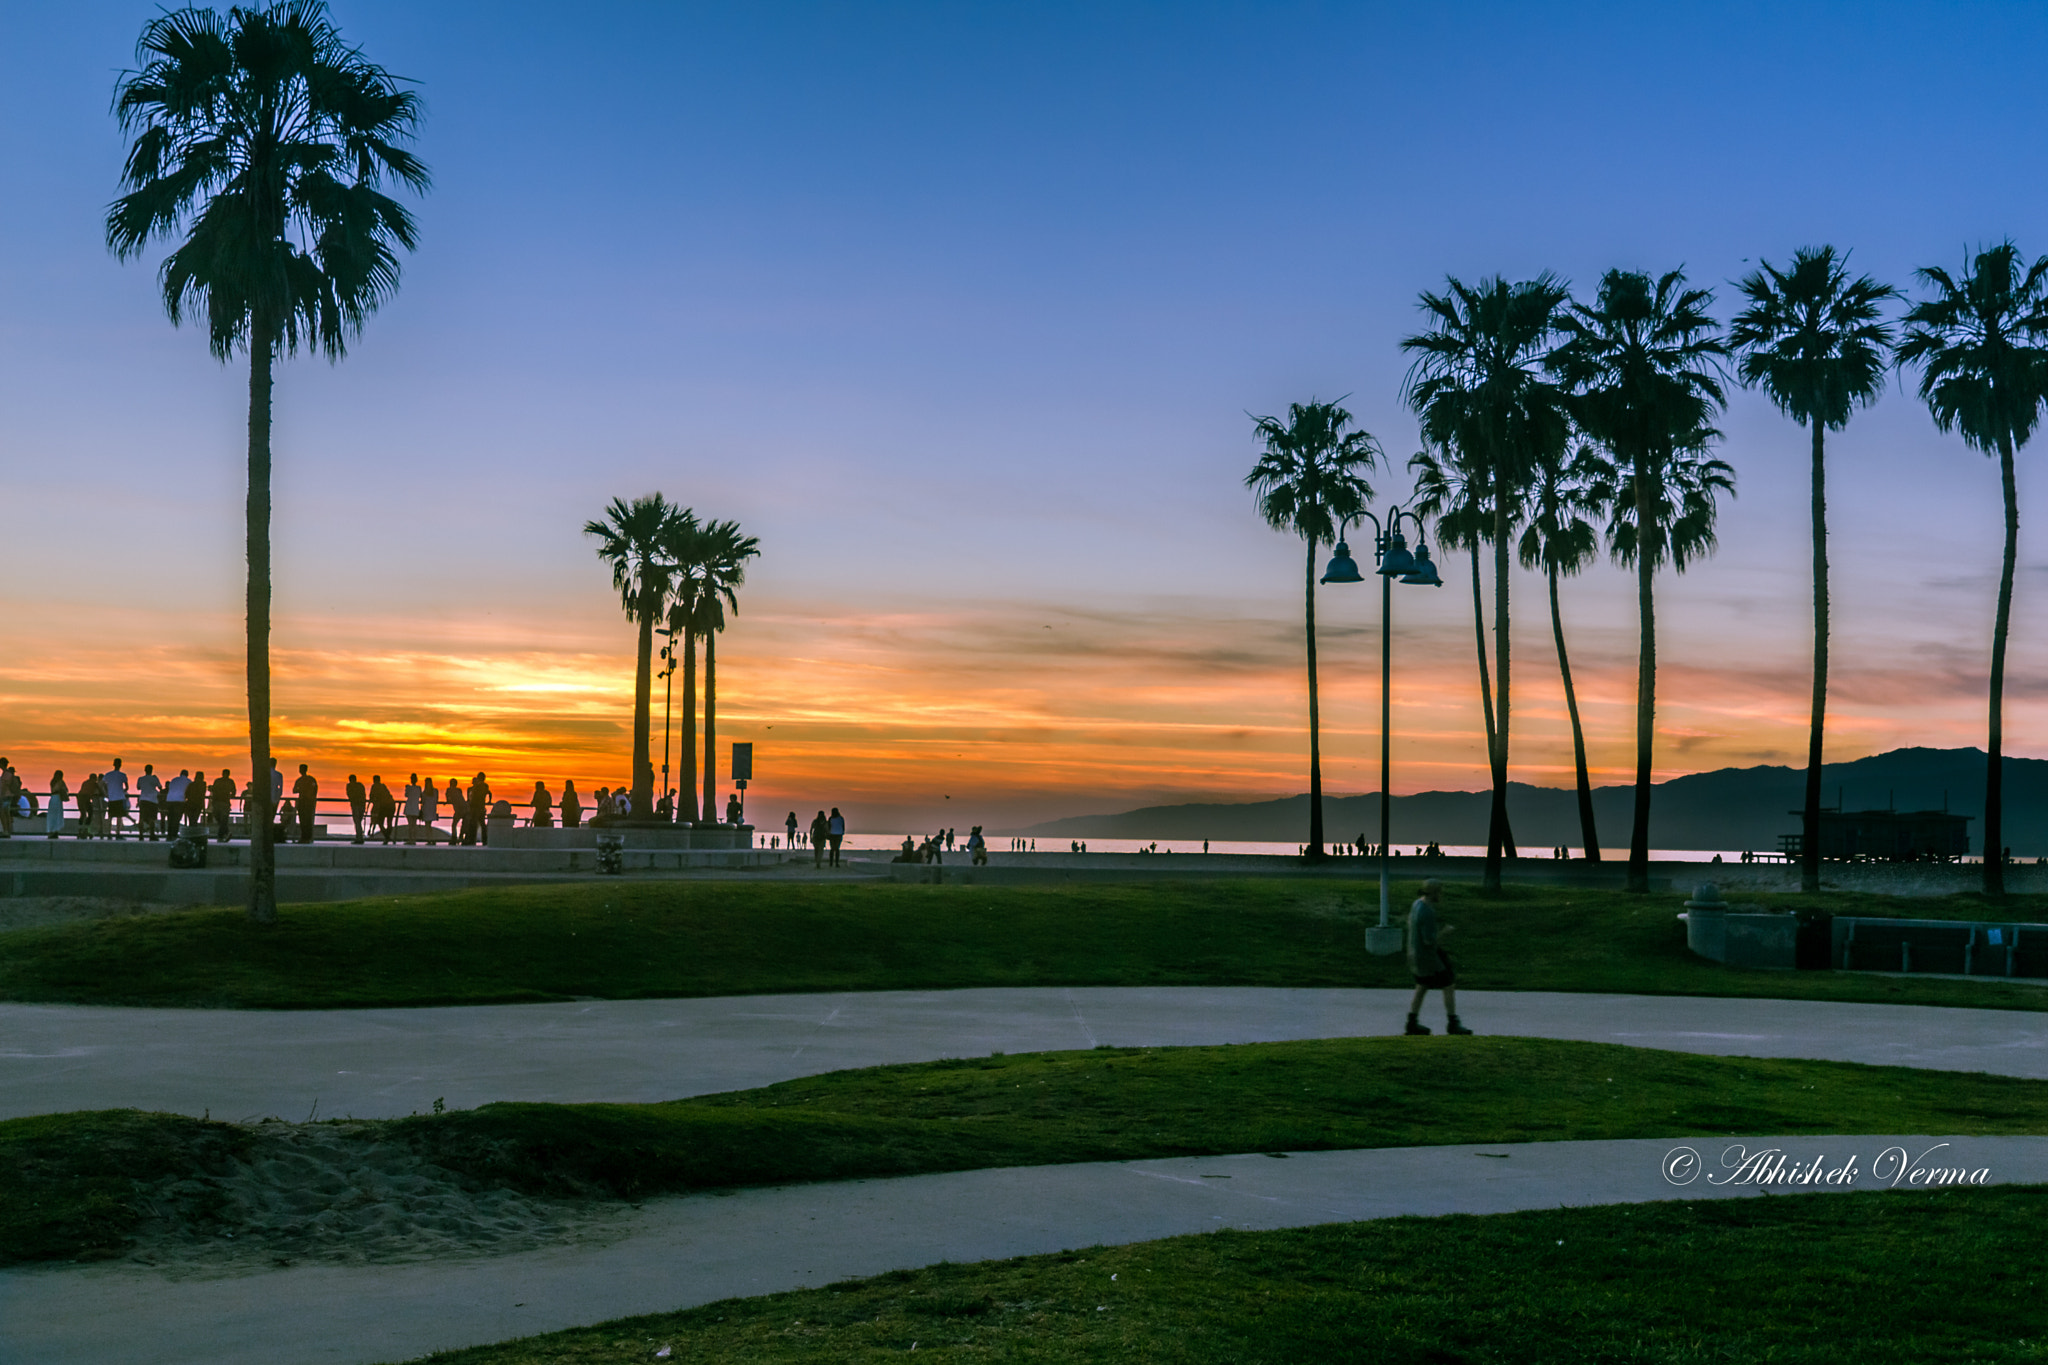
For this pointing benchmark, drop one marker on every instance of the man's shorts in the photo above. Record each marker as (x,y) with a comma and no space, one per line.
(117,807)
(1436,981)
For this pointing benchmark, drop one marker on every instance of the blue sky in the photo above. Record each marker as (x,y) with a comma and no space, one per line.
(961,309)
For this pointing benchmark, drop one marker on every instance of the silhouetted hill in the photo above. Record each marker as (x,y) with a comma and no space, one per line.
(1729,808)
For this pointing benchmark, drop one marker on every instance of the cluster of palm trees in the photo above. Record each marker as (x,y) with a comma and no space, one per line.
(671,567)
(1550,424)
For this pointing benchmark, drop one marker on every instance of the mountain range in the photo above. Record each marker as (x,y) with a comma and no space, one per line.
(1727,809)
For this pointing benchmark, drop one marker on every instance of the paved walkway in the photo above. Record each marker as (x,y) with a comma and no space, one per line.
(696,1249)
(378,1063)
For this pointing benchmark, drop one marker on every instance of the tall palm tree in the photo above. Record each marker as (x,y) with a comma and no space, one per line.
(1984,372)
(1478,383)
(1560,541)
(632,539)
(1455,494)
(1643,362)
(264,138)
(710,575)
(1815,342)
(1310,480)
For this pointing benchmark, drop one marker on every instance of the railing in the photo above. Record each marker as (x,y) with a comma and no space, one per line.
(338,812)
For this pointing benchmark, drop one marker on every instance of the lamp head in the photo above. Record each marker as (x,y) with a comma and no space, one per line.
(1343,568)
(1422,573)
(1394,557)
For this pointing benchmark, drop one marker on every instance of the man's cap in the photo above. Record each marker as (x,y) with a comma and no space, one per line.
(1432,887)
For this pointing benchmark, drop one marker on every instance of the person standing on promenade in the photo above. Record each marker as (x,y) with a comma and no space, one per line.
(223,805)
(358,803)
(835,830)
(91,793)
(195,802)
(473,829)
(115,783)
(307,791)
(149,795)
(819,825)
(174,801)
(455,805)
(430,808)
(790,824)
(382,807)
(572,806)
(10,793)
(1428,962)
(60,791)
(543,813)
(412,805)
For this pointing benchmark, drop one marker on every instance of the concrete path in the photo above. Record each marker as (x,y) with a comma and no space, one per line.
(379,1063)
(685,1251)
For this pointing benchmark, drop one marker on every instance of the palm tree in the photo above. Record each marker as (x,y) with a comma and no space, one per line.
(1560,541)
(1310,481)
(1813,340)
(1478,384)
(632,538)
(1455,494)
(711,569)
(1984,372)
(1643,362)
(263,138)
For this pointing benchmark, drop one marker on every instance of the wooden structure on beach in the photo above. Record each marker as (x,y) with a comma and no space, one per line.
(1884,836)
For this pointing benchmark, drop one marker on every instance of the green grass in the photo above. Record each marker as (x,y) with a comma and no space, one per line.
(1043,1108)
(1864,1279)
(69,1182)
(1113,1104)
(622,940)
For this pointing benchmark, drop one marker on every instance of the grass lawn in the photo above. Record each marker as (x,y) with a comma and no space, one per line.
(625,939)
(61,1176)
(622,940)
(1865,1279)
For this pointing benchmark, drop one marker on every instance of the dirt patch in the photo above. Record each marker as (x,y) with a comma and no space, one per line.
(342,1193)
(28,912)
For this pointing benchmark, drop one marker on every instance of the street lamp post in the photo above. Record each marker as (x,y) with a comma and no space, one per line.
(668,687)
(1390,551)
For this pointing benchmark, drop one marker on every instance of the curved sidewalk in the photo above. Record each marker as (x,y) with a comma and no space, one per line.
(680,1252)
(379,1063)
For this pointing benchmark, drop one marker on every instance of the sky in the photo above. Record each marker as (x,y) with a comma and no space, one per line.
(964,311)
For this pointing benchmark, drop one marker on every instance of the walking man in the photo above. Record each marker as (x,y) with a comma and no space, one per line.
(835,830)
(1428,962)
(358,802)
(307,790)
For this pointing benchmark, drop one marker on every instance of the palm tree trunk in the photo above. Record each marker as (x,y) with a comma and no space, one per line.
(1498,834)
(1497,819)
(1994,760)
(1646,685)
(262,852)
(1809,848)
(686,786)
(710,811)
(643,705)
(1315,742)
(1588,833)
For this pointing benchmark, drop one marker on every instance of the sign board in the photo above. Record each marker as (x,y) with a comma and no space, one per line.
(743,762)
